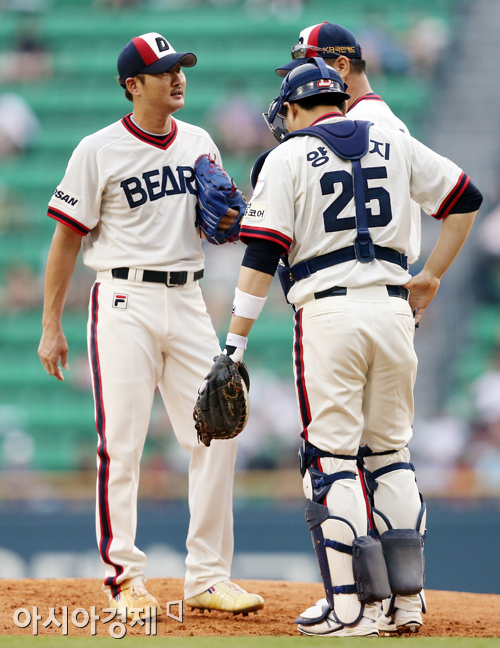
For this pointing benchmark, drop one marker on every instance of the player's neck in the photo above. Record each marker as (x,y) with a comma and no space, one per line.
(359,86)
(155,123)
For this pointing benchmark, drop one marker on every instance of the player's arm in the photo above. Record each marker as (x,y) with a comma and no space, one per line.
(444,191)
(257,270)
(256,284)
(455,229)
(58,273)
(268,236)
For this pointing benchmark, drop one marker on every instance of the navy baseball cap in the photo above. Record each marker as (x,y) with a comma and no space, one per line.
(326,40)
(150,54)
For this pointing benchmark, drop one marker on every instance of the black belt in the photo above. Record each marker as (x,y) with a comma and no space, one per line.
(392,291)
(172,278)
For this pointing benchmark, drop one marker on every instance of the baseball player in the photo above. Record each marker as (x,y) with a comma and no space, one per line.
(335,197)
(341,51)
(128,199)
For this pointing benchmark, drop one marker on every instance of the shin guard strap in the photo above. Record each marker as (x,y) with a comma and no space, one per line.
(313,451)
(346,589)
(371,477)
(317,482)
(338,546)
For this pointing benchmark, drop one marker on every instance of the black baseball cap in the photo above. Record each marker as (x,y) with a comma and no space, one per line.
(326,40)
(150,54)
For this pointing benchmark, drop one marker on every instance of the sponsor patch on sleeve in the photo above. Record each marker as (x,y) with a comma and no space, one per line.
(69,200)
(256,210)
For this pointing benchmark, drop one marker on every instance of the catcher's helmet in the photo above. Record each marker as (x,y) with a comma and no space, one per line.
(311,78)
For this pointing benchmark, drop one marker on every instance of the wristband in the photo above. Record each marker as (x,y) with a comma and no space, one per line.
(246,305)
(238,341)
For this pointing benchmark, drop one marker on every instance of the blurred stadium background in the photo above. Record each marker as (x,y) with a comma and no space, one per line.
(434,62)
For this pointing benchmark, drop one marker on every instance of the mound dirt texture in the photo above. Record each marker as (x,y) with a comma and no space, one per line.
(450,613)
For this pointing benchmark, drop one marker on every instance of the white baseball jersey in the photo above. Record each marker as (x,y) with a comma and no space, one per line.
(372,108)
(133,195)
(304,201)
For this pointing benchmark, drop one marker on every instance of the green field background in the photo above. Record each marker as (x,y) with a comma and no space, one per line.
(244,642)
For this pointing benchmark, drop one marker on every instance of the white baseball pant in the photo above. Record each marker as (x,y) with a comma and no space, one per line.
(140,336)
(355,368)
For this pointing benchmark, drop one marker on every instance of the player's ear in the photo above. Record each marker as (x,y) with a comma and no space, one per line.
(133,85)
(291,115)
(342,64)
(293,109)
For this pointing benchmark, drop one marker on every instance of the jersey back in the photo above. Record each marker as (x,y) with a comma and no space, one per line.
(304,200)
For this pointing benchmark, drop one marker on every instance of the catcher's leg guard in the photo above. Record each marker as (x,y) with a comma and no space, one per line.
(399,517)
(352,568)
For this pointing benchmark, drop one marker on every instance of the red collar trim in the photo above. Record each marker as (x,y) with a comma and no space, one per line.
(327,116)
(371,96)
(160,141)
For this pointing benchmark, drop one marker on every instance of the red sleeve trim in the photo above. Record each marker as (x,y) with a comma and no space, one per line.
(452,197)
(68,221)
(266,234)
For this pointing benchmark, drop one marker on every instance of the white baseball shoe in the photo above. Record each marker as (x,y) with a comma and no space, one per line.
(318,621)
(399,622)
(227,597)
(135,599)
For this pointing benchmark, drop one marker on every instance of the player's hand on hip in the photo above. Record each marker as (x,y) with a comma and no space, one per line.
(228,220)
(53,346)
(423,288)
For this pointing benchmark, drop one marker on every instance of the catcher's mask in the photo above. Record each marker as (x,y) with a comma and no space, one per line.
(311,78)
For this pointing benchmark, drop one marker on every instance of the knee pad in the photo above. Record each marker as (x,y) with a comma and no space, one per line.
(349,565)
(317,483)
(390,481)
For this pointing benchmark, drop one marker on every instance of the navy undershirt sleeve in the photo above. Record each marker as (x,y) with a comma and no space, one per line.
(469,201)
(262,255)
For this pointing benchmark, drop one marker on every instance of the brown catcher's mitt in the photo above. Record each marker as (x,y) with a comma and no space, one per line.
(222,407)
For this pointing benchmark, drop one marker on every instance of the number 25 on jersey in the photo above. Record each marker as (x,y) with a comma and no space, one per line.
(330,216)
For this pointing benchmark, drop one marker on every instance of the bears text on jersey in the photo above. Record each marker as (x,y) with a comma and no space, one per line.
(156,185)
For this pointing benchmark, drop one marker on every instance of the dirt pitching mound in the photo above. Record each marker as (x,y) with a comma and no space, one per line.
(450,613)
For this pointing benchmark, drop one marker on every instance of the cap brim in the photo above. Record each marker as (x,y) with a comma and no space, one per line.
(166,63)
(283,70)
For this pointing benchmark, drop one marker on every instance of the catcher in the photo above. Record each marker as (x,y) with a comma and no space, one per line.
(335,196)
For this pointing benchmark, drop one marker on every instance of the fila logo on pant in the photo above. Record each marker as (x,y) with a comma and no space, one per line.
(120,301)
